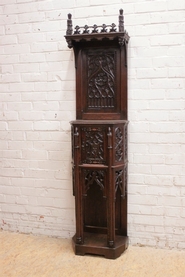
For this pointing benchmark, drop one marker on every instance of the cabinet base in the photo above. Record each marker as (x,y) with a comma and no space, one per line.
(96,244)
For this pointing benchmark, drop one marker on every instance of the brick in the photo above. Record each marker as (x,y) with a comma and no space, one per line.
(4,134)
(16,145)
(20,125)
(164,148)
(44,47)
(32,57)
(4,145)
(24,106)
(18,135)
(34,154)
(172,138)
(45,6)
(37,96)
(146,159)
(56,155)
(32,135)
(154,51)
(167,104)
(7,69)
(151,94)
(34,77)
(20,8)
(176,72)
(31,17)
(176,115)
(165,40)
(179,181)
(176,28)
(144,73)
(169,127)
(166,169)
(9,115)
(8,39)
(142,63)
(50,67)
(12,154)
(13,78)
(48,86)
(3,126)
(29,68)
(49,145)
(31,116)
(138,19)
(31,37)
(2,30)
(45,26)
(57,56)
(167,16)
(9,59)
(153,6)
(46,126)
(175,159)
(180,5)
(17,49)
(17,28)
(173,50)
(165,61)
(151,115)
(46,106)
(11,172)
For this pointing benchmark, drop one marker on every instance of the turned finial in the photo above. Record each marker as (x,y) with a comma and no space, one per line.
(121,21)
(69,25)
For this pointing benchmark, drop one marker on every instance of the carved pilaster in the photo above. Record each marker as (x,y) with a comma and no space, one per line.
(109,134)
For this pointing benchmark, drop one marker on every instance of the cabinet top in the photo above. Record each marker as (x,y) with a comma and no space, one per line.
(98,122)
(96,32)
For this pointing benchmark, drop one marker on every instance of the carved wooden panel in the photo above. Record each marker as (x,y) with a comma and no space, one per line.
(93,145)
(101,79)
(119,144)
(121,181)
(92,177)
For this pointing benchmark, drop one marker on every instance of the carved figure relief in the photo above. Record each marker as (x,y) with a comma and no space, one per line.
(101,79)
(93,145)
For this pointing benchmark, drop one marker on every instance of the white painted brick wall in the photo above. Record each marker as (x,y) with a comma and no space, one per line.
(37,101)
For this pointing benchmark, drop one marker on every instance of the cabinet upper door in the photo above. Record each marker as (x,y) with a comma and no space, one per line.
(101,83)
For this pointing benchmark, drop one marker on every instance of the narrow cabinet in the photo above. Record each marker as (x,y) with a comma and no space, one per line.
(99,138)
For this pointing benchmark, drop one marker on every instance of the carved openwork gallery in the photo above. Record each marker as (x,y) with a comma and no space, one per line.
(99,138)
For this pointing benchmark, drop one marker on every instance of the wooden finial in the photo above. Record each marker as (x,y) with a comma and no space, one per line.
(69,25)
(121,21)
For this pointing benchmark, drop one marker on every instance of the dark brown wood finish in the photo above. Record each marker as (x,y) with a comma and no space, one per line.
(99,138)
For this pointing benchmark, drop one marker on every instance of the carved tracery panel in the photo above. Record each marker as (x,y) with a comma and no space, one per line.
(101,79)
(93,140)
(119,144)
(93,176)
(121,181)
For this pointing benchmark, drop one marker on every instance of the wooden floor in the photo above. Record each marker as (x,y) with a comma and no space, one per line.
(40,256)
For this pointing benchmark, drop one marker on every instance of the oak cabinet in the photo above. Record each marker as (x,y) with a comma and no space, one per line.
(99,138)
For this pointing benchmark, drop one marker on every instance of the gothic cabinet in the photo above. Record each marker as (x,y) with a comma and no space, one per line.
(99,138)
